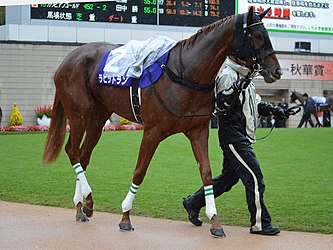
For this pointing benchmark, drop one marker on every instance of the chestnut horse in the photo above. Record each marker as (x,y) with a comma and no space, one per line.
(298,96)
(181,101)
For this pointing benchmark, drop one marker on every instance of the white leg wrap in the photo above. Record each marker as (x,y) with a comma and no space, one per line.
(78,196)
(86,190)
(210,202)
(126,205)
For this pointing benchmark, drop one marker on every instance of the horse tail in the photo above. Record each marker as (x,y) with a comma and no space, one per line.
(57,132)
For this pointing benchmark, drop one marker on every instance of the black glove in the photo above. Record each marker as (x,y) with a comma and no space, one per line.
(280,112)
(241,84)
(266,109)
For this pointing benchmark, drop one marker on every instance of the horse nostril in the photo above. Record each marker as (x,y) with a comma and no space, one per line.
(278,72)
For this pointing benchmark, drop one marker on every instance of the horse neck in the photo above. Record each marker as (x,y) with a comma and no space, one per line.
(204,53)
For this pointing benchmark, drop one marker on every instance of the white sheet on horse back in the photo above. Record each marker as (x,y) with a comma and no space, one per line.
(319,100)
(132,58)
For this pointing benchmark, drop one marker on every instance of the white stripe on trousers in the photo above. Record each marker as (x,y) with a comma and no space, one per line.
(257,226)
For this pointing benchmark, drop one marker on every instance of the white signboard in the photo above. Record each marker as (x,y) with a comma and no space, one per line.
(309,16)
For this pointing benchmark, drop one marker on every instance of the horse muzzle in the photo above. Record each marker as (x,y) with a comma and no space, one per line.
(271,77)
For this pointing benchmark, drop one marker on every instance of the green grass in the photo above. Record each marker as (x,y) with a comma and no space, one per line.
(297,165)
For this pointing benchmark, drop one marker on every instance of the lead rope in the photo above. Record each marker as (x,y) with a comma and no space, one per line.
(291,111)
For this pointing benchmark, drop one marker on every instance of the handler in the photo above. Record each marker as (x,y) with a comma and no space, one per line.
(236,131)
(307,111)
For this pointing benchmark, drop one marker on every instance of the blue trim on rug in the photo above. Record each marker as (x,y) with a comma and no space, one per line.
(155,72)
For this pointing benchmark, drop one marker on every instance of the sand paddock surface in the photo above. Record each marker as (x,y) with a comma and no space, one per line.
(25,226)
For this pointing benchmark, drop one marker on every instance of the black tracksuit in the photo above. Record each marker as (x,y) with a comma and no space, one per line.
(240,161)
(306,113)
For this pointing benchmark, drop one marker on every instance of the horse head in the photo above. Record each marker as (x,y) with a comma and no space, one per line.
(296,96)
(251,44)
(293,97)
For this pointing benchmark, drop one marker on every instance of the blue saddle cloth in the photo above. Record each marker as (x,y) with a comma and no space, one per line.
(146,79)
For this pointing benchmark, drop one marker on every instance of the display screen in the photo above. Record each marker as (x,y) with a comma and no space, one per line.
(155,12)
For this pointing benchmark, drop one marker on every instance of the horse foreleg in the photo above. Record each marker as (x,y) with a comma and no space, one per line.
(149,143)
(199,143)
(126,205)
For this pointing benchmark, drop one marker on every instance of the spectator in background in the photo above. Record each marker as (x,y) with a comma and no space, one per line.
(307,105)
(281,123)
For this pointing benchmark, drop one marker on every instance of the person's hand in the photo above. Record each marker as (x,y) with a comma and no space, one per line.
(241,84)
(281,113)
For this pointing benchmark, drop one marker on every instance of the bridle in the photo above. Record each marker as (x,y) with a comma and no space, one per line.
(246,50)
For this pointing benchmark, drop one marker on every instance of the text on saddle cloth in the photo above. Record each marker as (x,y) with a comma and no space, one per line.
(119,66)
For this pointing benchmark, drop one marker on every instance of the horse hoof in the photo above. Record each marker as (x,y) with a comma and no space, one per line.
(88,212)
(218,233)
(126,226)
(81,217)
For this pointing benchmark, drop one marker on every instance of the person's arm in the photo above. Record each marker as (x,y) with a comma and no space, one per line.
(266,109)
(225,91)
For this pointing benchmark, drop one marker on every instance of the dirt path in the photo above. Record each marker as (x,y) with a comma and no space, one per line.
(36,227)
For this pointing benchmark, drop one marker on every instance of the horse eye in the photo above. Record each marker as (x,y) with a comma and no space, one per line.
(258,36)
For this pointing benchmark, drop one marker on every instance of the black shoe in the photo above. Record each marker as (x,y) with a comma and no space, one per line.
(193,213)
(266,231)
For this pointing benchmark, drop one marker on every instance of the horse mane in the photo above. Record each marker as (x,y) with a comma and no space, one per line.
(206,29)
(216,24)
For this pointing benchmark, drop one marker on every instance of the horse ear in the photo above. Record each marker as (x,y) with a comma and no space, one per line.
(250,18)
(263,14)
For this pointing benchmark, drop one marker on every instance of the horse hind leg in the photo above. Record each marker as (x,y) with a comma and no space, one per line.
(318,124)
(99,115)
(82,188)
(72,84)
